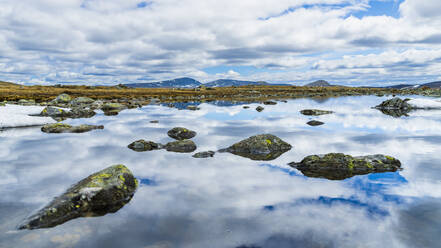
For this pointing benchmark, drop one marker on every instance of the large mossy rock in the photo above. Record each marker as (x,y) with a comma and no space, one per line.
(54,112)
(142,146)
(63,98)
(76,112)
(181,133)
(315,112)
(100,193)
(184,146)
(395,107)
(66,128)
(260,147)
(338,166)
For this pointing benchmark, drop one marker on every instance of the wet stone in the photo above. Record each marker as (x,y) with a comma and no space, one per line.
(181,133)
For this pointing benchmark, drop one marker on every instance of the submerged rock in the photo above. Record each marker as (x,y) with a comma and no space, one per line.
(100,193)
(183,146)
(66,128)
(260,108)
(315,123)
(181,133)
(142,146)
(315,112)
(207,154)
(338,166)
(259,147)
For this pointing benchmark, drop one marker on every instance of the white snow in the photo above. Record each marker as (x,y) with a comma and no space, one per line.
(18,116)
(425,103)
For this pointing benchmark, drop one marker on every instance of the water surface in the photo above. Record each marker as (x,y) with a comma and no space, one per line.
(227,200)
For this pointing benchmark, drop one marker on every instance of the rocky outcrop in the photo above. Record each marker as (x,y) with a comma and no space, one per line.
(315,112)
(183,146)
(142,145)
(207,154)
(315,123)
(181,133)
(66,128)
(100,193)
(338,166)
(259,147)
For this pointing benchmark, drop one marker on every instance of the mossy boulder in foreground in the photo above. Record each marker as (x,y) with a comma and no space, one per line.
(66,128)
(100,193)
(181,133)
(259,147)
(338,166)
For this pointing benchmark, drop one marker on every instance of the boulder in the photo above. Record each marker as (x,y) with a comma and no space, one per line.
(269,103)
(315,123)
(181,133)
(54,112)
(184,146)
(259,147)
(80,112)
(63,98)
(260,108)
(100,193)
(315,112)
(112,108)
(142,146)
(246,107)
(395,103)
(338,166)
(66,128)
(192,107)
(207,154)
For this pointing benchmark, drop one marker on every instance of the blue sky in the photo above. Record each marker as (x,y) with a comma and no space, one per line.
(349,42)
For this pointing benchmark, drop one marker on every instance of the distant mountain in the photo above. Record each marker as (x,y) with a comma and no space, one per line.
(184,82)
(401,86)
(436,84)
(319,83)
(232,82)
(432,85)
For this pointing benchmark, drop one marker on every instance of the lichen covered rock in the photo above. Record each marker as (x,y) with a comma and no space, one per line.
(181,133)
(260,147)
(63,98)
(66,128)
(142,146)
(338,166)
(183,146)
(315,112)
(100,193)
(81,100)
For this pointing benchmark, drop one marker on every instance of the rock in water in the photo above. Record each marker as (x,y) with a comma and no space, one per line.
(63,98)
(338,166)
(76,112)
(81,100)
(103,192)
(315,112)
(395,107)
(260,147)
(142,146)
(259,108)
(269,102)
(180,133)
(66,128)
(315,123)
(183,146)
(54,112)
(207,154)
(112,108)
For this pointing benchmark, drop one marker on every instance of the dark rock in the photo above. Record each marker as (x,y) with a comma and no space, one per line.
(66,128)
(180,133)
(338,166)
(142,146)
(315,112)
(259,108)
(207,154)
(184,146)
(315,123)
(246,107)
(260,147)
(269,103)
(100,193)
(395,107)
(54,112)
(155,121)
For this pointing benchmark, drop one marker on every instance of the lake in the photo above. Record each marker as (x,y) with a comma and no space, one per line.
(228,200)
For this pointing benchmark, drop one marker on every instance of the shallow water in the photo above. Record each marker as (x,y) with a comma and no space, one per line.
(227,200)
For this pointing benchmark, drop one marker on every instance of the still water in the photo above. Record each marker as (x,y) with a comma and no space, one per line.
(227,200)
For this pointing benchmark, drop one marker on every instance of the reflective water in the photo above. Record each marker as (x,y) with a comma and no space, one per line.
(228,200)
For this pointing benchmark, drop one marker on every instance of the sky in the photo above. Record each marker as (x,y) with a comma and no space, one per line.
(106,42)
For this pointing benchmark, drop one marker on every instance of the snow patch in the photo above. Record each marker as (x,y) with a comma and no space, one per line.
(425,103)
(18,116)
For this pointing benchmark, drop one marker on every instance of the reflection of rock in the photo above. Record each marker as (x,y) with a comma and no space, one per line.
(181,146)
(315,123)
(396,112)
(180,133)
(66,128)
(142,146)
(259,108)
(207,154)
(259,147)
(315,112)
(103,192)
(338,166)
